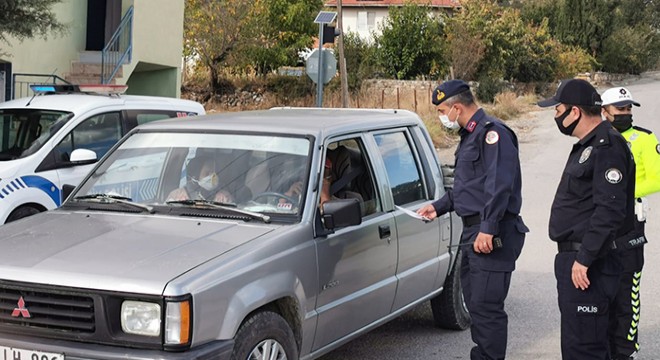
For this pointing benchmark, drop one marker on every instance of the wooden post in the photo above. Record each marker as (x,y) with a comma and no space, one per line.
(415,98)
(398,103)
(342,59)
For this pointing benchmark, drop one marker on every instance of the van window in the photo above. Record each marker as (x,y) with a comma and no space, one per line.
(98,133)
(147,118)
(23,132)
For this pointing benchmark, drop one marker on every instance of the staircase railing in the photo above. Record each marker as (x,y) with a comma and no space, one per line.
(21,87)
(119,49)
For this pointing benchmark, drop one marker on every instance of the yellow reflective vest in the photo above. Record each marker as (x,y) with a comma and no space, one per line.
(646,151)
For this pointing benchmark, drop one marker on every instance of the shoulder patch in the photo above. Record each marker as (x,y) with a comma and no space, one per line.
(585,154)
(657,148)
(492,137)
(642,129)
(613,176)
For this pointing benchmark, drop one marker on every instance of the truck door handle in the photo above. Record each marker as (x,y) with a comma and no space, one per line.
(384,231)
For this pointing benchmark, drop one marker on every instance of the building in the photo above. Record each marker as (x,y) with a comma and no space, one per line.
(139,43)
(365,16)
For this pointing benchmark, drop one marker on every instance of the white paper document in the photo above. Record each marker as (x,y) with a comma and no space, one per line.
(412,214)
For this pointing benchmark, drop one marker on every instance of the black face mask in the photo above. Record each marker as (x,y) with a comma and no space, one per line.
(567,130)
(622,122)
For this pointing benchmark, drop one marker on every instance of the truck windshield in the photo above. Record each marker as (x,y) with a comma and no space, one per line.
(24,131)
(252,173)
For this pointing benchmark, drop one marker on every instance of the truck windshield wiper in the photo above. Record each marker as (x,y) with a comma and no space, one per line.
(231,207)
(111,199)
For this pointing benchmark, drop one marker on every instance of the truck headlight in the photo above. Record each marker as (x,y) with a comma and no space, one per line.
(177,322)
(140,318)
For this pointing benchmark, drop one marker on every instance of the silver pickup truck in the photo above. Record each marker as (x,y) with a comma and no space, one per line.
(276,234)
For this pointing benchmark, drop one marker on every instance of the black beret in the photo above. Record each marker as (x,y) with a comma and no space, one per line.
(448,89)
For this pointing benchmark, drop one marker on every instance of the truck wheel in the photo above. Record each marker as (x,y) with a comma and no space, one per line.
(449,309)
(21,212)
(265,335)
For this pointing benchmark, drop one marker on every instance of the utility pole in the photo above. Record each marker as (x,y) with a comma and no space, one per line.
(342,60)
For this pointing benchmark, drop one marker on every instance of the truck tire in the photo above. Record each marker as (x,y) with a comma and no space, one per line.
(265,335)
(449,309)
(21,212)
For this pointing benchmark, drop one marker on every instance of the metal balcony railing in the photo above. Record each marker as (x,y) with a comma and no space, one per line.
(119,49)
(20,83)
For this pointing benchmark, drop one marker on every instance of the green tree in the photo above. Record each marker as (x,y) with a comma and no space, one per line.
(411,43)
(212,30)
(26,19)
(277,33)
(585,23)
(361,62)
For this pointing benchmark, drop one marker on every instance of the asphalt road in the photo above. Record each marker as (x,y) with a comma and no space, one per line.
(532,300)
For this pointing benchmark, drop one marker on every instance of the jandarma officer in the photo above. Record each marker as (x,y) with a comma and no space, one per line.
(487,196)
(593,207)
(625,315)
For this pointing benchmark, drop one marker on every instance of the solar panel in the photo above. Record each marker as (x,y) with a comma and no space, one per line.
(325,17)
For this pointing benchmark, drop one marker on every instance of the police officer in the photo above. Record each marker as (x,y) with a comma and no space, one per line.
(624,319)
(593,206)
(487,196)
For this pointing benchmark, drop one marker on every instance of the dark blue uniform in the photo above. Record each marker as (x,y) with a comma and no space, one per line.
(593,207)
(487,196)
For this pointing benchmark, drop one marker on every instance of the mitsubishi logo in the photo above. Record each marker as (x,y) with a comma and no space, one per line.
(21,310)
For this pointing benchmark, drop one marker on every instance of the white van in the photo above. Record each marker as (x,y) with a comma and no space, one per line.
(38,135)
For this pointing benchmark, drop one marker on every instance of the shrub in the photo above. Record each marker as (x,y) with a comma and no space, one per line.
(290,87)
(488,88)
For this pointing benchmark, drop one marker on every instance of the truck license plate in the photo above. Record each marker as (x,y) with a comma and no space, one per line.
(7,353)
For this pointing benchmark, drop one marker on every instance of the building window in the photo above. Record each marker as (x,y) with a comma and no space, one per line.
(366,21)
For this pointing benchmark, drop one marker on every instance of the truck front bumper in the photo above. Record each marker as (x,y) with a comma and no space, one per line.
(72,350)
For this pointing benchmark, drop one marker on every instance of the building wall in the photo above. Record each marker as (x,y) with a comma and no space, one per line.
(350,21)
(54,54)
(157,41)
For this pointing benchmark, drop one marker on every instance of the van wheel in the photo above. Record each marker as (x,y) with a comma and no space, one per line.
(265,335)
(449,309)
(21,212)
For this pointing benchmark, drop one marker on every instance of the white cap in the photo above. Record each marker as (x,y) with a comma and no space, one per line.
(618,96)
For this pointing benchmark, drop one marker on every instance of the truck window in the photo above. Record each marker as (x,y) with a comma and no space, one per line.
(350,174)
(402,170)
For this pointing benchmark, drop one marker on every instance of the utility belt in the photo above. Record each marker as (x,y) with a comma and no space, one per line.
(629,241)
(472,220)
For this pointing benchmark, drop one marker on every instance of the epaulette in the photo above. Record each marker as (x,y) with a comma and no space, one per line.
(642,129)
(488,124)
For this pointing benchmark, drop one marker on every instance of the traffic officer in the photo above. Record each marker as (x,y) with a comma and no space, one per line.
(487,196)
(593,206)
(624,319)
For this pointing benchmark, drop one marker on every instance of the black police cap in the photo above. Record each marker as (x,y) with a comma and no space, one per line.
(573,92)
(448,89)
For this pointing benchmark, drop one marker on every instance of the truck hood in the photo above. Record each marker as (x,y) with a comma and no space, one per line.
(118,252)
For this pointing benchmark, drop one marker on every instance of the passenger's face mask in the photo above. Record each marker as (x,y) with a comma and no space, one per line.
(567,130)
(622,122)
(451,125)
(209,182)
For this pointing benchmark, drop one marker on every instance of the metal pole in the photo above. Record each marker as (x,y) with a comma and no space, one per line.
(319,78)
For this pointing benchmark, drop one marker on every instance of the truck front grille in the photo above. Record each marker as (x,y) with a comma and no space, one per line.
(37,308)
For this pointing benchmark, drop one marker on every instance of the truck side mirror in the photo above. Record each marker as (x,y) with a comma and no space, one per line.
(341,213)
